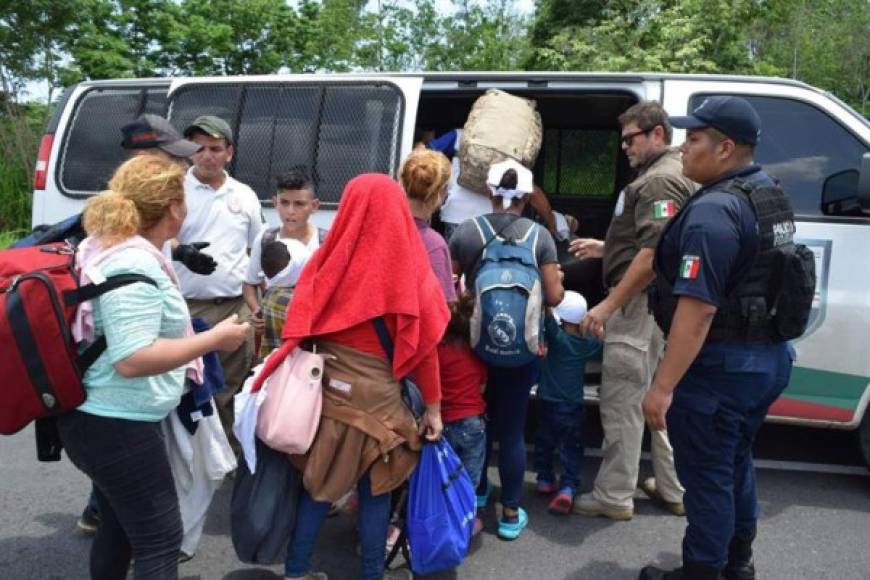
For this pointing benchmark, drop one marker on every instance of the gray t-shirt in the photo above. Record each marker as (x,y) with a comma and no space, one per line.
(465,243)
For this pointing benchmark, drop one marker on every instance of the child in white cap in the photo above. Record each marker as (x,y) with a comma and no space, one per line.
(560,402)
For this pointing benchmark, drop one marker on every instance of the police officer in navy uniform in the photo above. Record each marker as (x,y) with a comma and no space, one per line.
(723,368)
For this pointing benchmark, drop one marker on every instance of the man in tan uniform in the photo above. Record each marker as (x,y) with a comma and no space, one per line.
(633,344)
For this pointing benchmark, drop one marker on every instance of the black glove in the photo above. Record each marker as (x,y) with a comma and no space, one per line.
(196,261)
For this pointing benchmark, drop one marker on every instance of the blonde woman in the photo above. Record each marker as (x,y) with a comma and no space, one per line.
(424,176)
(114,437)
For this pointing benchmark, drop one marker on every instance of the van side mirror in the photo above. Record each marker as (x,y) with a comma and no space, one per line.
(847,193)
(863,188)
(839,194)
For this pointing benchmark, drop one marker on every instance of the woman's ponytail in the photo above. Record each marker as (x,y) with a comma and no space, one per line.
(112,217)
(140,192)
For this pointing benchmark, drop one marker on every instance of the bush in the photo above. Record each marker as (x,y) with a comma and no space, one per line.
(20,132)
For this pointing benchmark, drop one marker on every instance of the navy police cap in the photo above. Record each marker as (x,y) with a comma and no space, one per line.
(732,116)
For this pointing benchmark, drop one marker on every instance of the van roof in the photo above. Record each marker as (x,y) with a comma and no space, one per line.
(490,76)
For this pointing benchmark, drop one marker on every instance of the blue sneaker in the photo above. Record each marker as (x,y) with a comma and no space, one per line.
(482,500)
(511,530)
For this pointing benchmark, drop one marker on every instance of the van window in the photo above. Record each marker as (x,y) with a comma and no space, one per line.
(92,148)
(579,162)
(801,146)
(336,131)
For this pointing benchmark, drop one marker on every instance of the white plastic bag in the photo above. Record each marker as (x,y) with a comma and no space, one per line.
(246,407)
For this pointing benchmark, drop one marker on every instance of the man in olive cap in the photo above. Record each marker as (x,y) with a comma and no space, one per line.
(226,214)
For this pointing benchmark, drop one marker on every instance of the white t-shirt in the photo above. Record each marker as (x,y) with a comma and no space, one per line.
(297,259)
(462,204)
(230,220)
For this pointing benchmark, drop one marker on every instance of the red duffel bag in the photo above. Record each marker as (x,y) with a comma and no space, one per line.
(41,368)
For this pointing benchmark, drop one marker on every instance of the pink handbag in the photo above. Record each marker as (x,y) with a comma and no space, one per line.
(290,414)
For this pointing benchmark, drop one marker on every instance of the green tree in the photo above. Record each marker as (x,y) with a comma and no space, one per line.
(326,36)
(823,43)
(231,37)
(551,16)
(650,35)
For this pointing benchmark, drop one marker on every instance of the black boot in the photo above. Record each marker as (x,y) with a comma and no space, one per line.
(740,565)
(689,571)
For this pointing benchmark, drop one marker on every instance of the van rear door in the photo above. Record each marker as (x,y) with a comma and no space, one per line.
(337,126)
(84,147)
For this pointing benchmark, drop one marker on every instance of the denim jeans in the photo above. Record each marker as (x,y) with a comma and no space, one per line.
(374,514)
(135,495)
(507,398)
(467,437)
(560,429)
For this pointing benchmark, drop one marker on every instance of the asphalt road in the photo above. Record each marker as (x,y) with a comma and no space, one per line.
(815,524)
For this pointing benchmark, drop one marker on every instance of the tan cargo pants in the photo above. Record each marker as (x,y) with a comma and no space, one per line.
(235,364)
(633,346)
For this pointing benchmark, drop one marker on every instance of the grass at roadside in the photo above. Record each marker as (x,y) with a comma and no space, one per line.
(7,238)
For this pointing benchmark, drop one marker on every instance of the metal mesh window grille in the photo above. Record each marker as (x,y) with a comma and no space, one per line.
(579,162)
(336,131)
(92,150)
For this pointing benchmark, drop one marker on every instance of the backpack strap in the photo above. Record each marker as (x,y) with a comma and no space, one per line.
(530,241)
(485,229)
(384,337)
(488,234)
(90,291)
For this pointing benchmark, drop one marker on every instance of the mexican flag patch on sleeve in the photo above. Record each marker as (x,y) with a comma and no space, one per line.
(689,267)
(664,209)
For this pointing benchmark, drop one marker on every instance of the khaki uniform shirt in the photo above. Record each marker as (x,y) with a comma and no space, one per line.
(642,210)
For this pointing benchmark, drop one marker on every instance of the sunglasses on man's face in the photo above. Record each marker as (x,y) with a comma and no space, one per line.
(628,138)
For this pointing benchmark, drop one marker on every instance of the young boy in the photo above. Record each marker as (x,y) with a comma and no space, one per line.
(295,201)
(560,402)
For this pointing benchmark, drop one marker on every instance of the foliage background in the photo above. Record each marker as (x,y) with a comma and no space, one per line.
(822,42)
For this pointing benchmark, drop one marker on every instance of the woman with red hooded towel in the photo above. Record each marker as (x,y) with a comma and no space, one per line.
(371,265)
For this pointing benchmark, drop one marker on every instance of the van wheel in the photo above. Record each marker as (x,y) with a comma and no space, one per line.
(864,437)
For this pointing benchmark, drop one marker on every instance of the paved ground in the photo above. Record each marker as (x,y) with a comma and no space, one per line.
(815,525)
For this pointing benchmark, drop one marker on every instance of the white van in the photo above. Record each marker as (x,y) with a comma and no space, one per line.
(343,125)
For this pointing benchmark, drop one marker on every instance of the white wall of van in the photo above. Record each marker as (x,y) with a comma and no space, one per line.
(358,122)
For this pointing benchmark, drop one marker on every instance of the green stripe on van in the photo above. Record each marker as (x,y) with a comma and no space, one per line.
(826,387)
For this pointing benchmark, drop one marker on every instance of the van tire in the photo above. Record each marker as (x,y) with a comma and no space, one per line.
(864,438)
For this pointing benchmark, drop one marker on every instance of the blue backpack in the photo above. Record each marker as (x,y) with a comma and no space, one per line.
(508,320)
(441,508)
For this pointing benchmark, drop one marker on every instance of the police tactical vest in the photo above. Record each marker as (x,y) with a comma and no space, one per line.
(771,302)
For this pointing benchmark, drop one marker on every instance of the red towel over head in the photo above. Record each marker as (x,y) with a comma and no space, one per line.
(371,263)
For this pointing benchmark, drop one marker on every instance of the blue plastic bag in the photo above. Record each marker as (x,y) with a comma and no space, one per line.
(441,508)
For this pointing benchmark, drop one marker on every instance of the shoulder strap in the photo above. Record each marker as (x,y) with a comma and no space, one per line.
(740,186)
(91,291)
(485,229)
(384,337)
(530,240)
(480,221)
